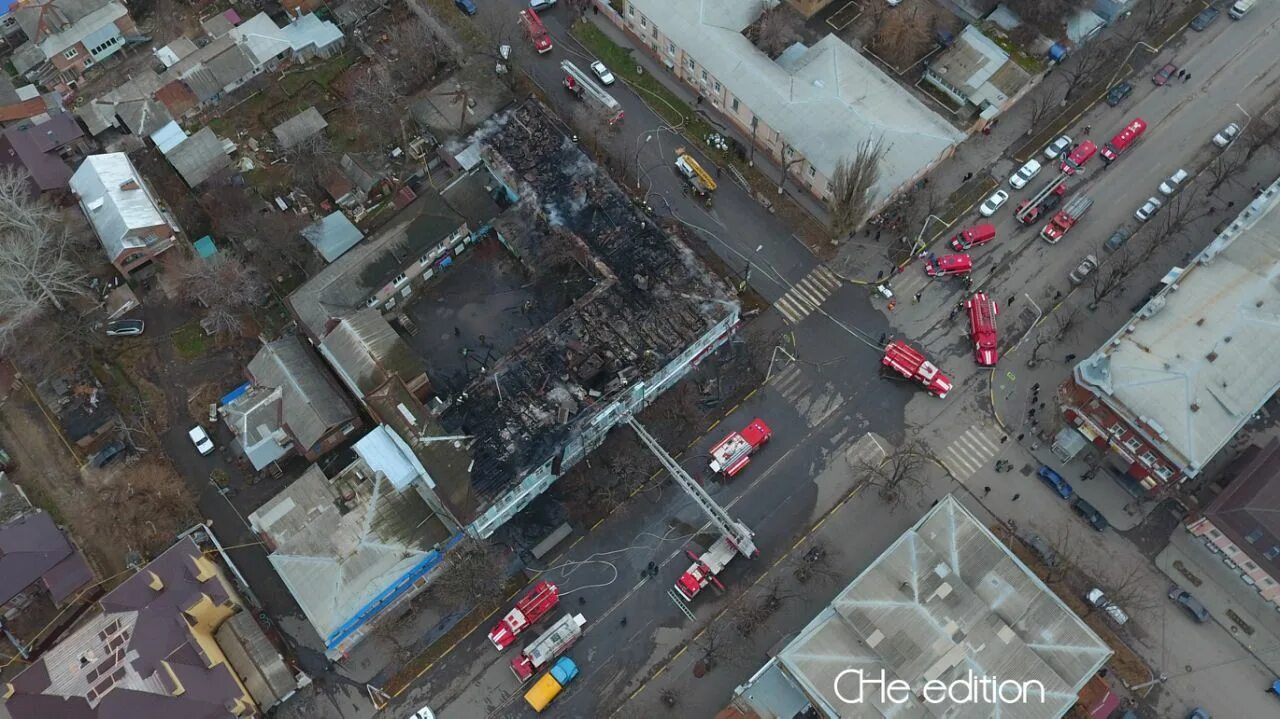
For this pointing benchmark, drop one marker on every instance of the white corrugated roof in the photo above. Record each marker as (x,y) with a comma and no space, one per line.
(384,451)
(113,209)
(823,103)
(265,40)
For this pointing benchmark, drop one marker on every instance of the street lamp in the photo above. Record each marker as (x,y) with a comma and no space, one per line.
(1247,118)
(647,137)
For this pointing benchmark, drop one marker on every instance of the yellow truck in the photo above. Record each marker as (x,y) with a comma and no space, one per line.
(702,183)
(551,684)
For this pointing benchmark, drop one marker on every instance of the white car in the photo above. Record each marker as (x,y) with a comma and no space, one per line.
(1024,174)
(993,203)
(1097,599)
(423,713)
(200,439)
(542,4)
(1227,135)
(1169,186)
(602,73)
(1149,208)
(1088,265)
(1057,147)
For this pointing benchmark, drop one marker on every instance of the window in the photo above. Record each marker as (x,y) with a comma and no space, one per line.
(1162,472)
(631,10)
(1214,533)
(1148,457)
(704,77)
(1254,536)
(1116,428)
(1250,566)
(400,279)
(688,61)
(1268,581)
(735,104)
(717,86)
(70,53)
(812,171)
(644,21)
(1273,552)
(671,48)
(1133,443)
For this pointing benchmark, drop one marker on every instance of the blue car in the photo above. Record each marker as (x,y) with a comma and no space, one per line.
(1055,480)
(1199,714)
(466,6)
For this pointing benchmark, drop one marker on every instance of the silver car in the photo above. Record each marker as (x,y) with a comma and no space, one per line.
(602,73)
(1148,209)
(126,328)
(1057,147)
(1227,135)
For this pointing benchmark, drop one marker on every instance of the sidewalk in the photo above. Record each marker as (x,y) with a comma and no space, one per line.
(1221,591)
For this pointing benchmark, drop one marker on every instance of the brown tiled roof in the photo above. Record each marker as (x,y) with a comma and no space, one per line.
(177,98)
(23,110)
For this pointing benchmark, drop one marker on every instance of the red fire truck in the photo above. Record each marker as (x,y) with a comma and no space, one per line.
(528,610)
(1066,218)
(982,327)
(733,453)
(705,567)
(553,642)
(538,34)
(910,363)
(947,265)
(1123,140)
(1079,157)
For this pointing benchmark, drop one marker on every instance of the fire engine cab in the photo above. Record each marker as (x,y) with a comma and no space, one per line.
(553,642)
(540,600)
(973,237)
(982,327)
(948,265)
(910,363)
(705,567)
(538,34)
(733,453)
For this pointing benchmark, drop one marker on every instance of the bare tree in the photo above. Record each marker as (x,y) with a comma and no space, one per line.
(593,122)
(1107,279)
(472,574)
(418,54)
(375,97)
(575,9)
(21,210)
(776,29)
(1085,65)
(1158,12)
(1053,329)
(814,564)
(1261,133)
(1225,168)
(311,159)
(224,285)
(901,37)
(1126,585)
(1048,15)
(853,187)
(1039,108)
(897,478)
(502,33)
(146,506)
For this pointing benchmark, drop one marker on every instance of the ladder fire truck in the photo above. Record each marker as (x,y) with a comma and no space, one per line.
(553,642)
(733,453)
(1066,218)
(735,537)
(701,182)
(580,83)
(540,600)
(538,34)
(910,363)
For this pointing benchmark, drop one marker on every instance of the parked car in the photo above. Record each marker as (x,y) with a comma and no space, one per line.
(1043,550)
(1055,480)
(200,439)
(423,713)
(971,237)
(1099,600)
(1204,19)
(1199,713)
(993,203)
(1090,514)
(113,451)
(466,6)
(1117,94)
(602,73)
(541,5)
(1190,603)
(1148,209)
(1057,147)
(126,328)
(1024,174)
(1163,74)
(1226,135)
(1169,186)
(1116,240)
(1089,264)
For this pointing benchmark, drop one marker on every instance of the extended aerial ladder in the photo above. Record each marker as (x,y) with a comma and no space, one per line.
(1057,181)
(580,83)
(732,531)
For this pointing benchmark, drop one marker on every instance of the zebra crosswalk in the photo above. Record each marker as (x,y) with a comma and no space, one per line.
(971,451)
(790,382)
(813,403)
(808,294)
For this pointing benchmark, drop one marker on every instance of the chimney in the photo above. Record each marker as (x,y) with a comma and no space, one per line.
(129,184)
(156,583)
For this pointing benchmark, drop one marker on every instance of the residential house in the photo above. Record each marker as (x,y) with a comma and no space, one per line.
(85,412)
(1182,377)
(173,640)
(365,351)
(67,37)
(809,109)
(41,573)
(129,223)
(977,72)
(290,405)
(1243,522)
(809,8)
(332,235)
(196,157)
(298,128)
(215,26)
(42,148)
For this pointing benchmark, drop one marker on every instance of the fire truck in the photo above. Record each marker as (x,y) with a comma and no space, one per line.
(553,642)
(540,600)
(1066,218)
(982,327)
(910,363)
(1078,157)
(1123,140)
(705,567)
(579,83)
(733,452)
(538,34)
(701,182)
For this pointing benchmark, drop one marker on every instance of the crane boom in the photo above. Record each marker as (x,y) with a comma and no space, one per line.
(735,531)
